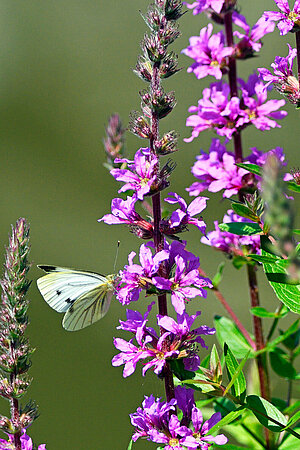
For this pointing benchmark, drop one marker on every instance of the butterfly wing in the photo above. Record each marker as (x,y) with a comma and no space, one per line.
(61,287)
(89,307)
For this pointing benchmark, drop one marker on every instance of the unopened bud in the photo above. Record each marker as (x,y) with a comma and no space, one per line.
(139,126)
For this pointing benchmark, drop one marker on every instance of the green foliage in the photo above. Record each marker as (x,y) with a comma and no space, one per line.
(264,411)
(291,442)
(243,211)
(237,379)
(130,445)
(230,417)
(227,332)
(241,228)
(218,276)
(259,311)
(281,365)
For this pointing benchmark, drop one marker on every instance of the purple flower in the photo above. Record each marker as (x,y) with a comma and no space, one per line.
(200,432)
(155,421)
(209,53)
(186,338)
(250,40)
(186,283)
(26,443)
(134,278)
(287,20)
(216,110)
(217,170)
(142,175)
(202,5)
(179,341)
(123,212)
(231,243)
(283,79)
(257,111)
(185,214)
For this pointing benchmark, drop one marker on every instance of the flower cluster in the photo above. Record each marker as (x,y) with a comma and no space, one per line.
(229,243)
(225,115)
(217,170)
(178,341)
(157,422)
(182,277)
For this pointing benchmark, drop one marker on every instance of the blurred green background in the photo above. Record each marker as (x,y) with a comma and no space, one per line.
(65,67)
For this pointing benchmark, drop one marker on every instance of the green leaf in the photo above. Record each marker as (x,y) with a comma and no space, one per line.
(264,410)
(291,442)
(130,446)
(281,365)
(296,231)
(252,168)
(229,447)
(259,311)
(228,332)
(295,418)
(292,186)
(292,329)
(289,294)
(239,261)
(241,228)
(233,415)
(243,211)
(219,275)
(290,409)
(272,259)
(235,370)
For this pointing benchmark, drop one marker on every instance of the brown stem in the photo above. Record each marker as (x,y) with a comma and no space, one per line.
(158,237)
(236,320)
(252,280)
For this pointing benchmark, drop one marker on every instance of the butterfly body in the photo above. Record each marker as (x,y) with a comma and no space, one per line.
(84,297)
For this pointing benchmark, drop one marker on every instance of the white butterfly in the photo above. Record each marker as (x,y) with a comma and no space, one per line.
(84,297)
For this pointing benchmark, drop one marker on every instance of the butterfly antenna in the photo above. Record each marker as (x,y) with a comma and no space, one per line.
(117,254)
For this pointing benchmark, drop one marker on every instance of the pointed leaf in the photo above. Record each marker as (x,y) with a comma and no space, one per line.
(292,329)
(281,365)
(228,332)
(218,276)
(289,294)
(295,418)
(252,168)
(235,370)
(259,311)
(241,228)
(272,259)
(130,446)
(230,417)
(291,442)
(292,186)
(264,411)
(244,211)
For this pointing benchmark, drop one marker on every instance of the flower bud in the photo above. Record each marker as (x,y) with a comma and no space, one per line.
(139,126)
(143,69)
(169,65)
(157,102)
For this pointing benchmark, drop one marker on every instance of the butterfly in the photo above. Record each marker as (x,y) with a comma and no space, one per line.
(84,297)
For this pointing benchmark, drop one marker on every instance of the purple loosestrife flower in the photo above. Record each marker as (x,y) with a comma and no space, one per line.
(202,5)
(283,79)
(123,212)
(26,443)
(178,342)
(187,338)
(288,20)
(258,111)
(209,53)
(200,433)
(185,214)
(155,421)
(231,243)
(217,170)
(142,174)
(250,40)
(186,283)
(216,110)
(134,278)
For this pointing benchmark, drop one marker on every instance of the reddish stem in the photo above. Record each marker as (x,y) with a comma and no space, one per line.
(236,320)
(158,237)
(252,279)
